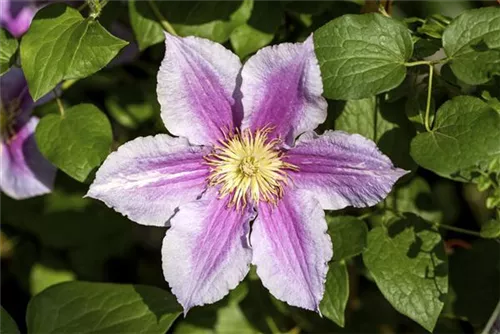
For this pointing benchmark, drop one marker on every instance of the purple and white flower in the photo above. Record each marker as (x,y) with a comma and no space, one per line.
(245,151)
(24,171)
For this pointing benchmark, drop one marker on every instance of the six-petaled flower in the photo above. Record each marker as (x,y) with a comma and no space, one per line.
(245,152)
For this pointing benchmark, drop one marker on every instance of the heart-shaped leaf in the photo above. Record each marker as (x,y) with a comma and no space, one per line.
(76,142)
(61,44)
(362,55)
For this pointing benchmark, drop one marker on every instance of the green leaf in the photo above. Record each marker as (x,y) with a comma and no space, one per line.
(8,48)
(146,29)
(362,55)
(472,42)
(336,294)
(86,307)
(382,122)
(7,324)
(77,142)
(259,30)
(60,45)
(348,236)
(464,135)
(406,258)
(491,229)
(415,197)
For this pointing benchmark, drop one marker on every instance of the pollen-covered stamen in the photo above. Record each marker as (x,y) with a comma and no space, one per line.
(248,166)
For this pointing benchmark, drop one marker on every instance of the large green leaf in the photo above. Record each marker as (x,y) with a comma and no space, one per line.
(472,42)
(86,307)
(362,55)
(348,236)
(260,28)
(7,324)
(382,122)
(61,44)
(336,293)
(8,48)
(464,135)
(76,142)
(406,258)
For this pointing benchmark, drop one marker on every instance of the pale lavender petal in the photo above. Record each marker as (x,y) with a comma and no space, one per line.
(282,87)
(196,83)
(148,178)
(291,249)
(342,169)
(24,171)
(206,252)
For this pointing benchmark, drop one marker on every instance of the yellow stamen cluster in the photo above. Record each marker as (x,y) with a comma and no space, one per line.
(248,166)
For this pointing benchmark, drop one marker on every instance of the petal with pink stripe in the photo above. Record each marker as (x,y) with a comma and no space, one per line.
(196,83)
(206,252)
(282,87)
(291,249)
(148,178)
(342,169)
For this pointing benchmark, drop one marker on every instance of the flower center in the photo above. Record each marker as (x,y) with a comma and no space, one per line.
(8,119)
(249,167)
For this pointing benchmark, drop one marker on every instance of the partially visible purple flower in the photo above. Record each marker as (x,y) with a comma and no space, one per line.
(16,15)
(217,176)
(24,172)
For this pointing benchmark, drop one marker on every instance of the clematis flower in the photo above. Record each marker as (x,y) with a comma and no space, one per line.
(243,153)
(24,171)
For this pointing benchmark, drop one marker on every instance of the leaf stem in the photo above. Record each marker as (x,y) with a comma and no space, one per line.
(417,63)
(164,23)
(429,97)
(458,229)
(59,104)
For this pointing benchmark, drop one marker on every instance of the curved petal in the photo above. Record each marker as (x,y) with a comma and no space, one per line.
(16,16)
(342,169)
(291,249)
(205,252)
(196,83)
(24,171)
(148,178)
(282,87)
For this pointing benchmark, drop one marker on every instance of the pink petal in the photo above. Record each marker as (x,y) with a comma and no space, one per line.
(205,252)
(24,171)
(148,178)
(342,169)
(196,82)
(292,249)
(282,88)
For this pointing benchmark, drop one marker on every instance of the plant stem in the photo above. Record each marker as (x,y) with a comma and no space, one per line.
(417,63)
(429,96)
(59,104)
(458,229)
(164,23)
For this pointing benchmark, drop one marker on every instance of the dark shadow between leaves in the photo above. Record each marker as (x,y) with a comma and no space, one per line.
(158,306)
(190,12)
